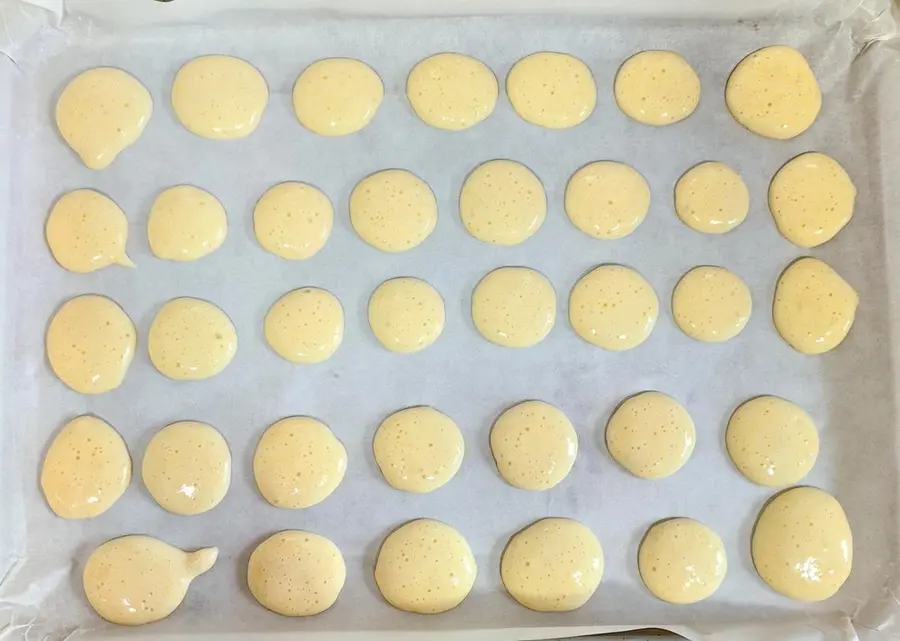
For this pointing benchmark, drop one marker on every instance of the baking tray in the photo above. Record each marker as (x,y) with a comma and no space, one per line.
(851,392)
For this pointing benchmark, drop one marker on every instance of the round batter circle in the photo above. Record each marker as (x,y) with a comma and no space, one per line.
(451,91)
(418,449)
(773,93)
(337,96)
(393,210)
(552,90)
(298,463)
(811,199)
(682,561)
(186,223)
(305,325)
(651,435)
(534,445)
(296,573)
(191,339)
(406,314)
(553,565)
(514,307)
(607,199)
(711,304)
(771,441)
(657,88)
(711,198)
(293,220)
(613,307)
(87,231)
(425,566)
(502,202)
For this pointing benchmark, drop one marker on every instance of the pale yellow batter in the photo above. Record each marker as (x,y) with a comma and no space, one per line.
(502,202)
(186,223)
(87,231)
(425,566)
(814,307)
(657,88)
(337,96)
(296,573)
(86,469)
(406,314)
(393,210)
(219,97)
(514,307)
(305,325)
(711,304)
(136,579)
(452,91)
(802,545)
(553,565)
(418,449)
(534,445)
(293,220)
(607,199)
(651,435)
(711,198)
(772,441)
(90,344)
(613,307)
(191,339)
(552,90)
(773,93)
(682,561)
(811,199)
(298,463)
(187,467)
(101,112)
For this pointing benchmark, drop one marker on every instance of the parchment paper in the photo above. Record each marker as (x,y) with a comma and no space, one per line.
(850,392)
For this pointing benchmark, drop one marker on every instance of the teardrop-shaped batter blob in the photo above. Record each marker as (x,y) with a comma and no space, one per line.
(191,339)
(87,231)
(552,90)
(137,579)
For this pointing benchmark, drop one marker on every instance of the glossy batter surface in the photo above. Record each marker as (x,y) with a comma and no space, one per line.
(682,561)
(773,93)
(298,462)
(773,442)
(101,112)
(802,545)
(406,314)
(712,198)
(186,223)
(534,445)
(393,210)
(514,307)
(87,231)
(219,97)
(191,339)
(305,325)
(425,566)
(811,199)
(90,344)
(296,573)
(86,469)
(711,304)
(418,449)
(452,91)
(502,202)
(613,307)
(187,467)
(651,435)
(337,96)
(552,90)
(814,307)
(553,565)
(657,88)
(293,220)
(607,199)
(137,579)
